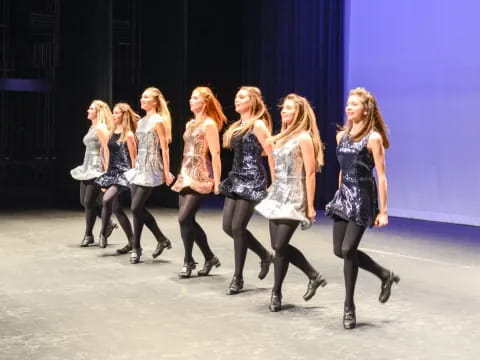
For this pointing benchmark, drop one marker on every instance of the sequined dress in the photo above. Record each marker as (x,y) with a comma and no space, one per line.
(118,163)
(287,197)
(92,165)
(148,170)
(356,199)
(248,177)
(196,171)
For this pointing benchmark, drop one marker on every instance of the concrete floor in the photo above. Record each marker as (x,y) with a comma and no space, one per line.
(60,301)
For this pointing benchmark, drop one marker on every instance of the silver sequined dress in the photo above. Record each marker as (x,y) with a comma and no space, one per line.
(356,199)
(148,170)
(287,197)
(92,164)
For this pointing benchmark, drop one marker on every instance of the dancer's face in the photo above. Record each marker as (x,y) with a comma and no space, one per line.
(197,103)
(147,101)
(288,112)
(91,112)
(117,115)
(242,102)
(354,108)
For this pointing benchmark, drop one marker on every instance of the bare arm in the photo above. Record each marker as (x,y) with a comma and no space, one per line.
(102,134)
(339,137)
(263,135)
(213,142)
(375,145)
(162,135)
(308,155)
(132,148)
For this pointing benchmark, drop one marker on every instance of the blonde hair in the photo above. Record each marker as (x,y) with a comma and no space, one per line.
(162,109)
(258,111)
(104,114)
(129,120)
(213,108)
(303,120)
(374,119)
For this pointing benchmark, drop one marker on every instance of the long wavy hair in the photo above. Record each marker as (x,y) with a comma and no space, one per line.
(104,114)
(162,109)
(213,109)
(303,120)
(258,111)
(129,120)
(374,119)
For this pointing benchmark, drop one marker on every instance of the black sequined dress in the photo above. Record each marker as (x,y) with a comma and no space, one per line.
(248,177)
(356,199)
(119,163)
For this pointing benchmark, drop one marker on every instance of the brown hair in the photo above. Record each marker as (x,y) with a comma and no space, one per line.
(129,119)
(213,108)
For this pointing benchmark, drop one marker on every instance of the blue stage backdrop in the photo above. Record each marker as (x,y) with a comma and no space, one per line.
(422,61)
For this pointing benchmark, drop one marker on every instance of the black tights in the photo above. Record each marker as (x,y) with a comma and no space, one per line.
(141,216)
(111,203)
(281,231)
(189,202)
(88,198)
(236,215)
(346,238)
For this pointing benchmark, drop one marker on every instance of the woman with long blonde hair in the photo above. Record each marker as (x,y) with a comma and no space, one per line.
(246,183)
(361,147)
(298,152)
(122,153)
(152,166)
(95,162)
(199,175)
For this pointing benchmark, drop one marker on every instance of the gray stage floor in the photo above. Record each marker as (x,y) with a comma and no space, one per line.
(60,301)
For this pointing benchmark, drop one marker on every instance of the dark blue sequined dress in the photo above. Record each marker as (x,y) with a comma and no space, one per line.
(248,177)
(119,163)
(356,199)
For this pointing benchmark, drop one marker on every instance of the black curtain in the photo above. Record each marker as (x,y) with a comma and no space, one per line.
(297,46)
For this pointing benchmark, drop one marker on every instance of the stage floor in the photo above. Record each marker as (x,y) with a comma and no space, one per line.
(60,301)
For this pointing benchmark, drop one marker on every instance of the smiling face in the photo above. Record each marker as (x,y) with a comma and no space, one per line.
(288,112)
(242,102)
(92,112)
(117,115)
(197,104)
(354,108)
(147,101)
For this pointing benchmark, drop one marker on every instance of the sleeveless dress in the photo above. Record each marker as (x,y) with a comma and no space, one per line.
(92,165)
(148,170)
(287,197)
(196,171)
(357,198)
(248,177)
(119,163)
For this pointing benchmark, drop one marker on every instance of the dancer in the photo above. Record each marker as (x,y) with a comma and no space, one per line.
(246,183)
(195,178)
(361,147)
(94,164)
(122,153)
(298,152)
(152,167)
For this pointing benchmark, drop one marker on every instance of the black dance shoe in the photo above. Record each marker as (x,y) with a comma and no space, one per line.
(265,266)
(135,256)
(187,269)
(87,240)
(275,302)
(109,228)
(349,318)
(125,250)
(209,264)
(102,242)
(313,285)
(235,285)
(386,288)
(162,245)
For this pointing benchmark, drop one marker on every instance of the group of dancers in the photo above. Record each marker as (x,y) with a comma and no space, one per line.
(124,152)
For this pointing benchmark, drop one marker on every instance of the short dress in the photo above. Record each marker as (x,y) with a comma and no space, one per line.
(92,163)
(119,162)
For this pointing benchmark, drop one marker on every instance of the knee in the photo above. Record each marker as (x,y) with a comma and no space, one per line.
(137,210)
(237,230)
(348,252)
(185,220)
(89,203)
(338,252)
(227,228)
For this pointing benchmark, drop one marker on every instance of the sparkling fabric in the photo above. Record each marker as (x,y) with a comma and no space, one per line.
(356,199)
(248,178)
(119,162)
(148,170)
(196,171)
(92,165)
(287,197)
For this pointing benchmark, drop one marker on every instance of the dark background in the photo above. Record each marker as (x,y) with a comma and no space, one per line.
(58,55)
